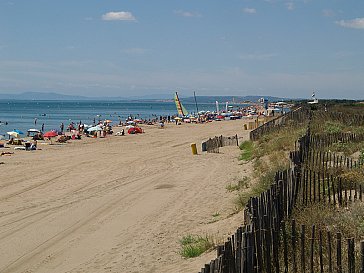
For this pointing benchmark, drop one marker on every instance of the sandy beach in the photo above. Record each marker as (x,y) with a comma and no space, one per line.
(117,204)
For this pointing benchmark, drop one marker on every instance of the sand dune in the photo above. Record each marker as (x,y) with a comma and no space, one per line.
(118,204)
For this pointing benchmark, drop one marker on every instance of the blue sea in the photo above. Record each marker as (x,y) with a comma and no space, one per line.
(21,115)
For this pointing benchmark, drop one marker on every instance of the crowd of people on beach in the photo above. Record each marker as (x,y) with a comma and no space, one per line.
(131,125)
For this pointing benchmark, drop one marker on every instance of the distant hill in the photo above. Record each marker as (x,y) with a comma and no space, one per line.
(153,97)
(40,96)
(237,99)
(62,97)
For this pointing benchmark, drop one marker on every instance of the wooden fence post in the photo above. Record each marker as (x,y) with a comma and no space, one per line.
(312,249)
(294,260)
(338,253)
(303,254)
(320,252)
(285,247)
(275,250)
(268,248)
(351,255)
(329,251)
(362,257)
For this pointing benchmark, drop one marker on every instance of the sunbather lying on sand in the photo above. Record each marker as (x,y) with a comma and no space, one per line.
(6,153)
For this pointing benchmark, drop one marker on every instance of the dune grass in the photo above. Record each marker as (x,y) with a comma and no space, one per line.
(247,148)
(194,245)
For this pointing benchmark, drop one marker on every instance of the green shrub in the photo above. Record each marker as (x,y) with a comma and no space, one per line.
(347,148)
(242,199)
(333,127)
(195,245)
(247,148)
(361,156)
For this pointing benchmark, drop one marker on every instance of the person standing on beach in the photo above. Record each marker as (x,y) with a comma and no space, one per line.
(42,128)
(62,127)
(35,122)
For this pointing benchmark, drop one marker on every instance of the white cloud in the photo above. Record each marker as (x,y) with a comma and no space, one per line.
(187,13)
(354,23)
(290,6)
(250,10)
(118,16)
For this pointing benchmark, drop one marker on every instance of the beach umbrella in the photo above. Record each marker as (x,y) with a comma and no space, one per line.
(13,134)
(130,122)
(135,130)
(50,134)
(18,131)
(95,128)
(178,118)
(108,121)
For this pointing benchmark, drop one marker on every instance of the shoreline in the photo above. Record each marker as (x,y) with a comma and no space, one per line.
(118,204)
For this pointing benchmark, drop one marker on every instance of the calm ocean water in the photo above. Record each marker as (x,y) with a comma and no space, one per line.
(22,114)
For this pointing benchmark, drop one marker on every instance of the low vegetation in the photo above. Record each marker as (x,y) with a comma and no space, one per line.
(195,245)
(331,127)
(346,149)
(247,150)
(347,220)
(269,155)
(242,184)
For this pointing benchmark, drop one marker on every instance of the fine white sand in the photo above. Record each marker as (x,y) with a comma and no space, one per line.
(118,204)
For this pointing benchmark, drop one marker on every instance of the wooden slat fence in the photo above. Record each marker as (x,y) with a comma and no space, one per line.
(319,141)
(213,144)
(330,162)
(266,243)
(321,187)
(289,249)
(292,118)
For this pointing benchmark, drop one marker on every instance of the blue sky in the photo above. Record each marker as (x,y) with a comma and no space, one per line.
(231,47)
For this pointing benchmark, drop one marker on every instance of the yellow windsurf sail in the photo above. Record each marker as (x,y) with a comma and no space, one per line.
(180,108)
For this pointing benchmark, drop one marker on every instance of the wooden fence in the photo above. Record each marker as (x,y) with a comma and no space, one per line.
(288,249)
(266,243)
(319,141)
(213,144)
(330,162)
(292,118)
